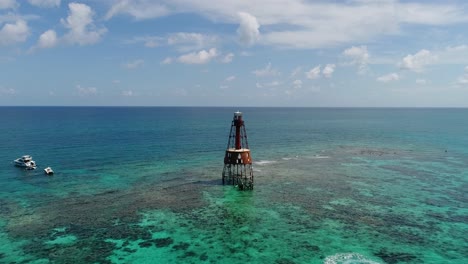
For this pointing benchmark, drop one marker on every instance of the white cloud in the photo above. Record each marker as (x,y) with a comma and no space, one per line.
(230,78)
(223,87)
(450,55)
(7,91)
(307,24)
(463,80)
(297,84)
(152,43)
(273,83)
(248,29)
(313,73)
(185,41)
(81,26)
(86,91)
(134,64)
(167,60)
(267,71)
(421,81)
(328,70)
(296,72)
(14,33)
(127,93)
(227,58)
(245,53)
(45,3)
(268,84)
(457,48)
(139,9)
(358,56)
(181,41)
(389,77)
(47,39)
(201,57)
(418,61)
(148,41)
(7,4)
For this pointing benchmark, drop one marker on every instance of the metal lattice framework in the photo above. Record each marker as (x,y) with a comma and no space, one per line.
(237,160)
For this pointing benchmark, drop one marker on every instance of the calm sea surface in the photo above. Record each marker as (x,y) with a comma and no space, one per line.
(143,185)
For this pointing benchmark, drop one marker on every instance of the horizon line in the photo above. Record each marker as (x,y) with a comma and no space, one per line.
(188,106)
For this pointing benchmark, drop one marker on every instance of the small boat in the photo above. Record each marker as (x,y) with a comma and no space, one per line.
(25,162)
(48,171)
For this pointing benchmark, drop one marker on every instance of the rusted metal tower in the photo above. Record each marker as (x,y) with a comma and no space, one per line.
(237,161)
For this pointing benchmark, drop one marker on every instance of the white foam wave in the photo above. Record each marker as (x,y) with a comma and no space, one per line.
(264,162)
(348,258)
(320,157)
(290,158)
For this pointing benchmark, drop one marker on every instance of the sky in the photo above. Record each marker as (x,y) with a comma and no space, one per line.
(280,53)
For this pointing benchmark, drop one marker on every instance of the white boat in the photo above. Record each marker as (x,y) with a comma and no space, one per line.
(48,171)
(26,162)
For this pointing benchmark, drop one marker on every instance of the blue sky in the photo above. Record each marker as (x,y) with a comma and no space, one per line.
(234,53)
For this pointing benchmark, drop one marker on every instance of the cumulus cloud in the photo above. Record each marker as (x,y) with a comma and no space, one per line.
(328,70)
(134,64)
(389,77)
(267,71)
(12,33)
(8,4)
(139,9)
(45,3)
(86,91)
(358,56)
(47,39)
(201,57)
(418,61)
(82,30)
(313,73)
(230,78)
(248,31)
(463,80)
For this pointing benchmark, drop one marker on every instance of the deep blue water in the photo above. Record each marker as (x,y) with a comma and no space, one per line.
(335,184)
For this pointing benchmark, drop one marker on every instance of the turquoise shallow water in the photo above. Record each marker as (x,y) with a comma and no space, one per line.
(142,185)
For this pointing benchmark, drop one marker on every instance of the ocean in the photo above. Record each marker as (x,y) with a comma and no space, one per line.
(143,185)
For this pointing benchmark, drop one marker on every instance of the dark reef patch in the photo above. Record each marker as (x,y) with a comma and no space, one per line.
(284,261)
(111,214)
(395,257)
(181,246)
(163,242)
